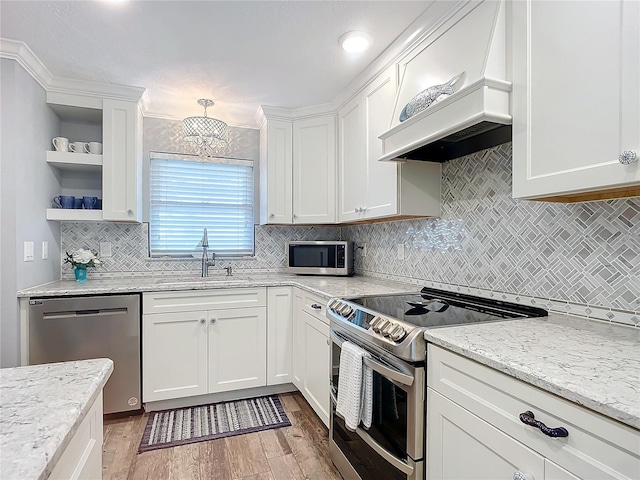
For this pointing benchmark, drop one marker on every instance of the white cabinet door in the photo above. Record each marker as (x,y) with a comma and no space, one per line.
(576,97)
(121,161)
(352,161)
(279,335)
(382,186)
(555,472)
(314,170)
(317,369)
(174,355)
(237,349)
(276,177)
(298,339)
(461,446)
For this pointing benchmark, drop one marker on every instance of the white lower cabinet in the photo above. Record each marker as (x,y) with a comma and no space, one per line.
(316,365)
(474,430)
(237,349)
(311,351)
(82,458)
(187,352)
(279,335)
(174,355)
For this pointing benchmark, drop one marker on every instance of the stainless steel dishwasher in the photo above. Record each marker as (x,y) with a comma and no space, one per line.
(80,328)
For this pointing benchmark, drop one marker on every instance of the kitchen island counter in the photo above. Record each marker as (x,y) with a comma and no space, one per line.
(589,362)
(41,408)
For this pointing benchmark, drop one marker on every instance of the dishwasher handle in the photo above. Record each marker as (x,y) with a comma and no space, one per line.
(104,312)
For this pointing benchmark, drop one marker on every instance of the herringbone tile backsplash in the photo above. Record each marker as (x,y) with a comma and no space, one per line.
(585,255)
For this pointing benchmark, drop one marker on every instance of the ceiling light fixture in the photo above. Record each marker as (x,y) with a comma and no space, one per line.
(209,136)
(356,41)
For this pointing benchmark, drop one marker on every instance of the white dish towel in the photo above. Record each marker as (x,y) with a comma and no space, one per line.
(355,387)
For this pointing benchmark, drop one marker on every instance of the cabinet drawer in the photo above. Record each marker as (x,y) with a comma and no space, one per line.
(167,302)
(316,306)
(597,447)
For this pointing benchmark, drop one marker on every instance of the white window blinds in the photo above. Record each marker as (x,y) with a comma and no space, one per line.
(188,195)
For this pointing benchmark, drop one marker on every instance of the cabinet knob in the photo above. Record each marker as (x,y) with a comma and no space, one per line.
(271,215)
(203,321)
(295,216)
(628,157)
(357,209)
(213,320)
(522,476)
(328,342)
(129,212)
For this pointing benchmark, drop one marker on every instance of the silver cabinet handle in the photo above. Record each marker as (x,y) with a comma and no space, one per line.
(213,320)
(129,212)
(295,216)
(271,215)
(315,306)
(628,157)
(203,321)
(522,476)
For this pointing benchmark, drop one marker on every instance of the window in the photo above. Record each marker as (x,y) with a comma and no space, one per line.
(188,194)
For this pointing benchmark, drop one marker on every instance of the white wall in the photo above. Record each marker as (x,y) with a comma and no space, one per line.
(28,184)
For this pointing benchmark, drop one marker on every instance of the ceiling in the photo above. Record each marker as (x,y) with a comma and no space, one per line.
(242,54)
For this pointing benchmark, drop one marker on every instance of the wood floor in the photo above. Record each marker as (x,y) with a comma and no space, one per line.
(297,452)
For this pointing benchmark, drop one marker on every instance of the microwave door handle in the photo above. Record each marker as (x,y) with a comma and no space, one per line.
(382,369)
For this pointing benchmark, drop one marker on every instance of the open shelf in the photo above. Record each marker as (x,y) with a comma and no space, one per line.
(74,215)
(78,162)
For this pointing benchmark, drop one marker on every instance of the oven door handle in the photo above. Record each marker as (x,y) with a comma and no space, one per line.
(404,467)
(401,465)
(379,367)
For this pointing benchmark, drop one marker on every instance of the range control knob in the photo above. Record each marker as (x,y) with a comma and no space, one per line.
(388,329)
(397,333)
(374,321)
(381,325)
(332,304)
(336,306)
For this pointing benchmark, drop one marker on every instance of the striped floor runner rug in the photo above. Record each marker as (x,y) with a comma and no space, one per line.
(180,426)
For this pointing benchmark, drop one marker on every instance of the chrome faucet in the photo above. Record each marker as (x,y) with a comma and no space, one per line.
(229,270)
(206,263)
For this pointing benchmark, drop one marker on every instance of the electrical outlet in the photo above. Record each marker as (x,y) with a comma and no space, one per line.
(364,249)
(400,253)
(105,249)
(45,250)
(29,251)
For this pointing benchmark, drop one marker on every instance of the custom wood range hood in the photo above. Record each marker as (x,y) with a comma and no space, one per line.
(473,39)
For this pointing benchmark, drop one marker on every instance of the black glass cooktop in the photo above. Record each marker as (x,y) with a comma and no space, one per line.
(436,308)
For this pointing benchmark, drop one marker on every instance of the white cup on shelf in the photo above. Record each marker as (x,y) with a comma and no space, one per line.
(95,148)
(61,144)
(79,147)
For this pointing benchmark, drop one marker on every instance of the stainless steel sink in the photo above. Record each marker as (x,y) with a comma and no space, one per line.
(203,280)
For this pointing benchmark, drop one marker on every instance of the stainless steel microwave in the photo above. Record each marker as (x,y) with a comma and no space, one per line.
(326,257)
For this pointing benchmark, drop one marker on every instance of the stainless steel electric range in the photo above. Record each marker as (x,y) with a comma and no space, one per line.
(391,329)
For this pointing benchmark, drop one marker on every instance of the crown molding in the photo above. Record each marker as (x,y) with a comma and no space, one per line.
(24,56)
(174,119)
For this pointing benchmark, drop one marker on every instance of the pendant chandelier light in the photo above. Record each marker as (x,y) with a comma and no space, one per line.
(209,136)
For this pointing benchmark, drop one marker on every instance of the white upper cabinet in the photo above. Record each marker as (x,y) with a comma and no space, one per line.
(370,189)
(115,176)
(122,161)
(576,99)
(276,177)
(314,170)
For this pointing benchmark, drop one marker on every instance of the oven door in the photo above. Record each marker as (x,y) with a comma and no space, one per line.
(393,448)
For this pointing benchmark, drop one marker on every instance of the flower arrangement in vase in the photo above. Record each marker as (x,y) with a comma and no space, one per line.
(81,259)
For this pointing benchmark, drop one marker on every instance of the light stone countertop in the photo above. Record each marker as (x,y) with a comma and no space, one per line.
(41,407)
(589,362)
(320,285)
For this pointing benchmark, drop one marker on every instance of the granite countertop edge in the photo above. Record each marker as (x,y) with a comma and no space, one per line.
(41,464)
(560,380)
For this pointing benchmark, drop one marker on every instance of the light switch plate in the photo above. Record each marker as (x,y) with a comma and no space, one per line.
(45,250)
(364,249)
(105,249)
(28,251)
(400,255)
